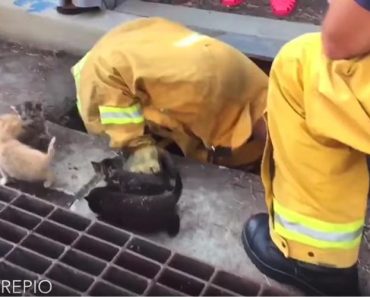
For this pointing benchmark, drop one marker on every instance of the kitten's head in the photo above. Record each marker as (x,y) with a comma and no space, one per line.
(108,167)
(29,112)
(11,126)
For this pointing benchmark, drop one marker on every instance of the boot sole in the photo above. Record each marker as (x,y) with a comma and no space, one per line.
(277,274)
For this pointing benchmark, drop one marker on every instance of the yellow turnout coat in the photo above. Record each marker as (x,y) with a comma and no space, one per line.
(190,88)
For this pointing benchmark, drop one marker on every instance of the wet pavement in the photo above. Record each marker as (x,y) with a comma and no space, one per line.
(215,202)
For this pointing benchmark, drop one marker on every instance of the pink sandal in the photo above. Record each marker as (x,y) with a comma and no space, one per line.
(231,3)
(283,8)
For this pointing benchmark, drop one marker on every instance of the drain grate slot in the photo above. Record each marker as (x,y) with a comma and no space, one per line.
(29,260)
(5,247)
(70,277)
(159,290)
(7,195)
(137,264)
(57,232)
(43,246)
(11,232)
(19,217)
(13,273)
(181,282)
(192,267)
(70,219)
(40,241)
(149,250)
(104,289)
(96,248)
(236,284)
(90,265)
(214,291)
(126,280)
(33,205)
(108,233)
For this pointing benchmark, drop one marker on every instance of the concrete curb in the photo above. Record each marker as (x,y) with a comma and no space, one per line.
(255,36)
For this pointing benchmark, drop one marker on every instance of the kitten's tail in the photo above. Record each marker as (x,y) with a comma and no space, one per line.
(51,149)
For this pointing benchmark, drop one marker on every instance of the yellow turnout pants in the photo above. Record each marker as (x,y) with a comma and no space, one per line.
(314,165)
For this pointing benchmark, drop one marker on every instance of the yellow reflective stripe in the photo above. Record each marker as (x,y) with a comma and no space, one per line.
(121,115)
(130,109)
(336,236)
(314,232)
(125,121)
(299,237)
(314,223)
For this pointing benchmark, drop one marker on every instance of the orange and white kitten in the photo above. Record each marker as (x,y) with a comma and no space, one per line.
(11,126)
(20,161)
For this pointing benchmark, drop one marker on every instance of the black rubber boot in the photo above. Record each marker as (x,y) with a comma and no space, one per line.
(70,9)
(313,279)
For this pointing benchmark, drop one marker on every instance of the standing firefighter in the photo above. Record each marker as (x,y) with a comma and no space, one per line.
(314,171)
(152,78)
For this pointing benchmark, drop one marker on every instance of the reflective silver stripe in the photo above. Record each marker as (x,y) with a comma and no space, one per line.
(318,235)
(120,115)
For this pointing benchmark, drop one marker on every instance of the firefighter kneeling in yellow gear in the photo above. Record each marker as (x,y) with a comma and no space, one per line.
(152,78)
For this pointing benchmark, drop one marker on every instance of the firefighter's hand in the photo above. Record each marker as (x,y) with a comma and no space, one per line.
(144,160)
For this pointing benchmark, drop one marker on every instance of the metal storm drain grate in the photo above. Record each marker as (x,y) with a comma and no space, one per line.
(42,244)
